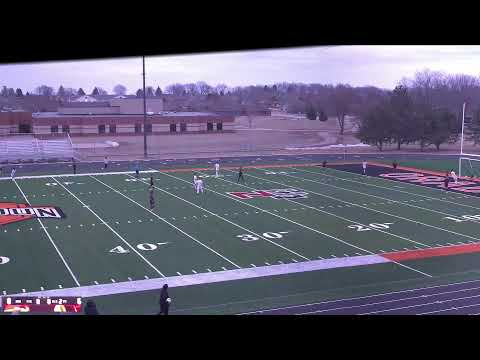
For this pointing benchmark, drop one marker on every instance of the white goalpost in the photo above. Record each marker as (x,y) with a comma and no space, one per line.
(468,163)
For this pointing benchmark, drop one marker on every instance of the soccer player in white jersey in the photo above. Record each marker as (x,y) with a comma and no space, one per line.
(364,167)
(195,179)
(454,176)
(217,169)
(199,186)
(13,173)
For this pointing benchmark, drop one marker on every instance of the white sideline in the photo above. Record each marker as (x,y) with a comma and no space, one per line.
(76,175)
(211,277)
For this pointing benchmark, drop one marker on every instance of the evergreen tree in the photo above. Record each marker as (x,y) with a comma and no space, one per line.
(80,92)
(19,92)
(158,92)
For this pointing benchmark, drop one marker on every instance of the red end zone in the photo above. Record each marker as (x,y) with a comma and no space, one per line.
(427,253)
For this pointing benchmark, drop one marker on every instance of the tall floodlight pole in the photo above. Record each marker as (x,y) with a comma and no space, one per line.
(144,112)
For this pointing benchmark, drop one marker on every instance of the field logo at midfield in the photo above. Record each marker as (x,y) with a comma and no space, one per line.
(272,193)
(12,212)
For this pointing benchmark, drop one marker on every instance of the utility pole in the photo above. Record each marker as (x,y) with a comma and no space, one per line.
(144,112)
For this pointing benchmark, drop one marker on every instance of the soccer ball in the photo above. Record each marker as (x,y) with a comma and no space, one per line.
(169,300)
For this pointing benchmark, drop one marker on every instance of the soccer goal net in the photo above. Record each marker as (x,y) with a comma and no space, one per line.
(469,167)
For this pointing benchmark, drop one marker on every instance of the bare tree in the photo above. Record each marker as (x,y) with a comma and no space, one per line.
(119,90)
(342,100)
(44,90)
(175,89)
(221,89)
(69,92)
(191,89)
(203,88)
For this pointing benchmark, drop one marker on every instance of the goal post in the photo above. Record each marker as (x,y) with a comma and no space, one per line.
(468,160)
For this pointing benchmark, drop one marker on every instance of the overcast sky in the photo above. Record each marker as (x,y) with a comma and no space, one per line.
(381,66)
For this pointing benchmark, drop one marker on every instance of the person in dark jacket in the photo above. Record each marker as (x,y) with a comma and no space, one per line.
(446,180)
(324,163)
(164,300)
(151,180)
(90,308)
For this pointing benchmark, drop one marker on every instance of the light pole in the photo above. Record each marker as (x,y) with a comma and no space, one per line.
(144,112)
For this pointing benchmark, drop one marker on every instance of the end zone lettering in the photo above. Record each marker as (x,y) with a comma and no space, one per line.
(437,181)
(12,212)
(39,212)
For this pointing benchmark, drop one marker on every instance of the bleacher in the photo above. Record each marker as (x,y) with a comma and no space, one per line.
(28,148)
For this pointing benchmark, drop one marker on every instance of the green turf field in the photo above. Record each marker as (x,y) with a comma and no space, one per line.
(110,236)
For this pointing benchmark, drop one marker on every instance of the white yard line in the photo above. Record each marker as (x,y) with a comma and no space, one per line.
(224,219)
(305,226)
(111,229)
(75,175)
(391,189)
(169,223)
(365,207)
(51,240)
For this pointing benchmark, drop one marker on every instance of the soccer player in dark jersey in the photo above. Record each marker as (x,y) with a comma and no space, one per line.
(152,199)
(446,180)
(137,170)
(240,175)
(324,163)
(151,180)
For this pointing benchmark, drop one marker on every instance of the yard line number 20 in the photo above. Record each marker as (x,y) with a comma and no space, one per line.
(372,226)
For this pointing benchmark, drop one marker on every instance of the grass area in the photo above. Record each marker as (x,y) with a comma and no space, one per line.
(110,237)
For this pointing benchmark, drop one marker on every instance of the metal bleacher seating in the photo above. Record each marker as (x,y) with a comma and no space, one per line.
(29,148)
